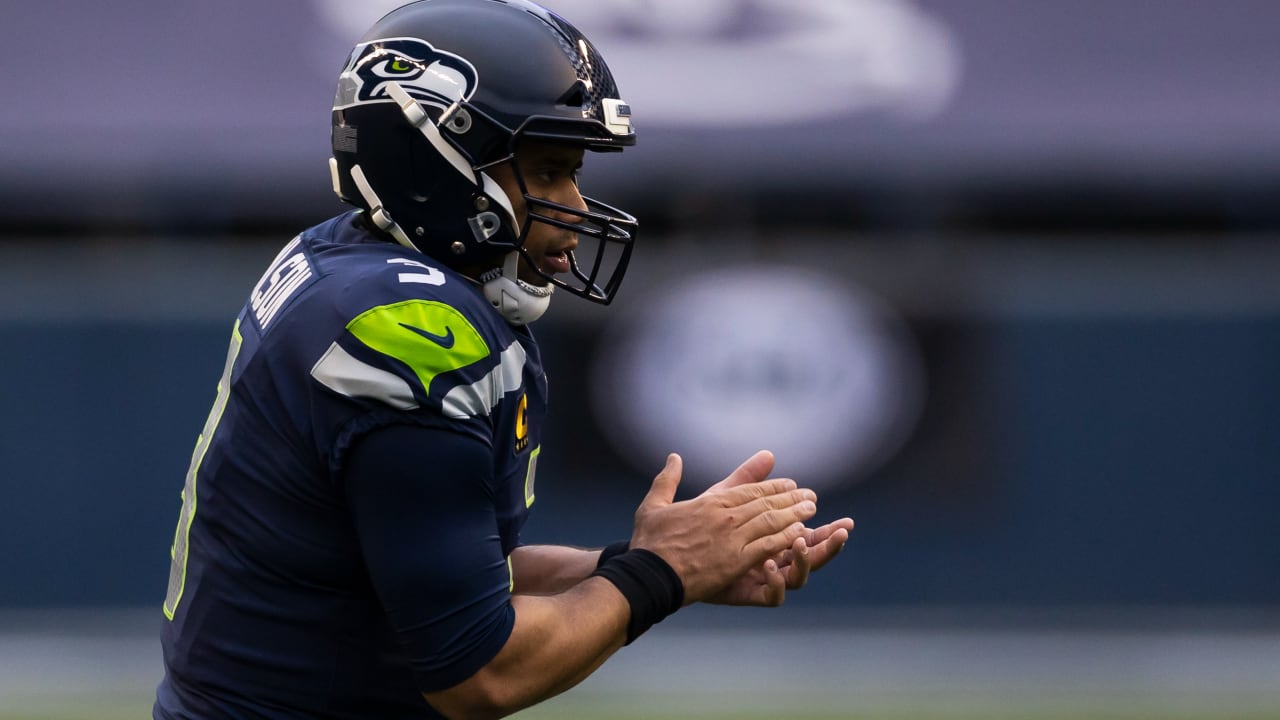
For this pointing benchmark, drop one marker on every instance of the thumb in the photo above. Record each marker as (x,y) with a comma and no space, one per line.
(754,469)
(663,490)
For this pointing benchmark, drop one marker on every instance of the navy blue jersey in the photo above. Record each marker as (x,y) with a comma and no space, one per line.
(272,609)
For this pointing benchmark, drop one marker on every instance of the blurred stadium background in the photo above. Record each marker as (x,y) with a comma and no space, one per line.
(1001,278)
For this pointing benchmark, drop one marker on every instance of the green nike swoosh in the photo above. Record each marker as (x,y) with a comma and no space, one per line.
(445,341)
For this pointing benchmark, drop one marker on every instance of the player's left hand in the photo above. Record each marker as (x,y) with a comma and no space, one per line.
(767,584)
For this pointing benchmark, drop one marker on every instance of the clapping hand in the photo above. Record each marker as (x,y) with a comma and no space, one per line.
(766,584)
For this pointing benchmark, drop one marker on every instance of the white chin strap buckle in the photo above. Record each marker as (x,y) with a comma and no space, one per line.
(519,302)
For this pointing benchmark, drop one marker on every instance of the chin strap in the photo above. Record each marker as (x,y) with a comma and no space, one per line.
(519,302)
(377,213)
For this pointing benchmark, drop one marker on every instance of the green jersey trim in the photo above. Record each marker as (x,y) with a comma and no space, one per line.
(430,337)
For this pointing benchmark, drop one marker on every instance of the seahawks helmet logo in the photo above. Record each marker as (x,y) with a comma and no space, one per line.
(432,76)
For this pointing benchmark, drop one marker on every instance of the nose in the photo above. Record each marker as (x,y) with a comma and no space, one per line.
(568,194)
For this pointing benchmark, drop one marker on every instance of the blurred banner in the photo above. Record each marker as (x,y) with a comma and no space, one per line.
(204,112)
(1042,417)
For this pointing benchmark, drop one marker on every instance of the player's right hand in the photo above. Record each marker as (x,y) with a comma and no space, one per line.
(713,539)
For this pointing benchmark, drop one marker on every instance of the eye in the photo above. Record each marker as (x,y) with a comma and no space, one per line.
(570,174)
(400,66)
(544,176)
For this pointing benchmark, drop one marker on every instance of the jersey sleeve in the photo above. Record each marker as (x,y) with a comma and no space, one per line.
(396,354)
(427,530)
(417,361)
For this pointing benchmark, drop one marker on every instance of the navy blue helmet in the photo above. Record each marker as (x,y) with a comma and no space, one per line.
(439,91)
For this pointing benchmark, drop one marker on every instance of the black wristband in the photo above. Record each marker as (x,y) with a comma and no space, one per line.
(651,587)
(612,549)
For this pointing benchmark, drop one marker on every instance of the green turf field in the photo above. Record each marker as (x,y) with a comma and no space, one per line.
(104,665)
(592,707)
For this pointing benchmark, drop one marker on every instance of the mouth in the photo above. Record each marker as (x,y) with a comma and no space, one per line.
(555,262)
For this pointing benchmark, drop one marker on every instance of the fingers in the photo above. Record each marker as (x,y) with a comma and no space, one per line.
(761,586)
(742,541)
(743,494)
(768,545)
(774,590)
(663,489)
(797,573)
(754,469)
(773,514)
(826,542)
(768,586)
(772,495)
(775,522)
(820,534)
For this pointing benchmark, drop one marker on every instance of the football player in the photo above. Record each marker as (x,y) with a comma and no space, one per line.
(349,540)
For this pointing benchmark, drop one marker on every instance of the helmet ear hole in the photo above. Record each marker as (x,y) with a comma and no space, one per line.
(485,225)
(459,122)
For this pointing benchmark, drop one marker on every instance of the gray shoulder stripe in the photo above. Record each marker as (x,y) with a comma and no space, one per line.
(345,375)
(481,396)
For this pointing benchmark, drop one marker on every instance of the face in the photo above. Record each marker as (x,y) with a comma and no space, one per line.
(550,172)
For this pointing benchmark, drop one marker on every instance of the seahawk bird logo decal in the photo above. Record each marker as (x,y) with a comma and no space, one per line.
(432,76)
